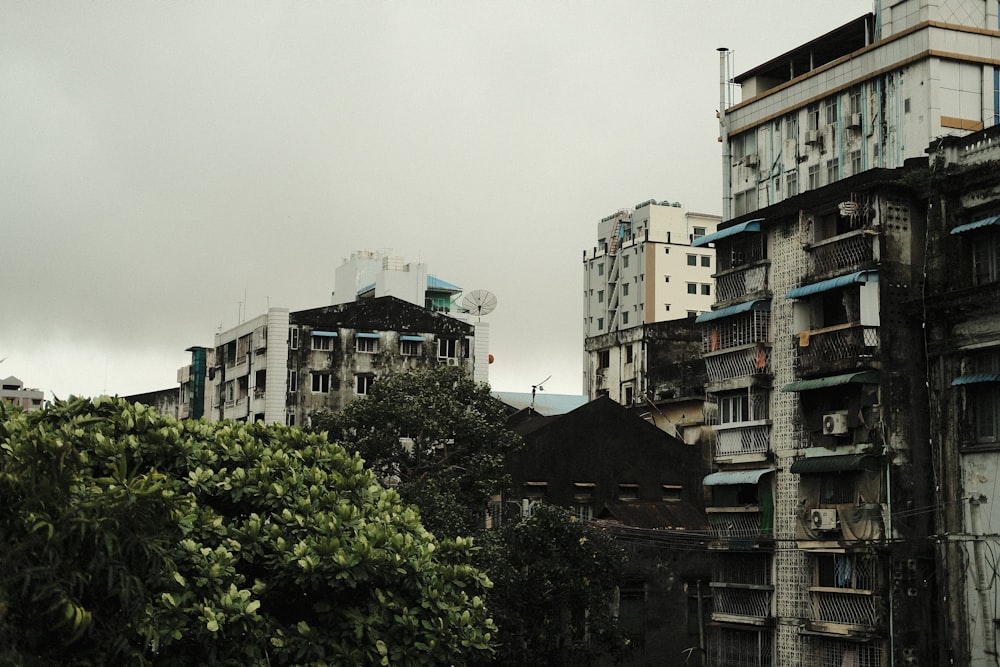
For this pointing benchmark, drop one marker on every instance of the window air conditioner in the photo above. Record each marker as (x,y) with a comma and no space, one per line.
(835,423)
(813,137)
(453,361)
(824,519)
(751,161)
(854,120)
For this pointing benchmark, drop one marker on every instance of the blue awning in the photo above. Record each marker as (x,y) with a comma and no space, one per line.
(435,283)
(863,377)
(736,477)
(976,224)
(746,306)
(417,339)
(976,378)
(832,283)
(748,226)
(363,334)
(324,334)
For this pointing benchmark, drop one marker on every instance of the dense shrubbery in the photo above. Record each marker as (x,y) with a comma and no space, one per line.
(131,538)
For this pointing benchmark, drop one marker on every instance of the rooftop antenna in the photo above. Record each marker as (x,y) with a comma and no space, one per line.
(539,387)
(479,302)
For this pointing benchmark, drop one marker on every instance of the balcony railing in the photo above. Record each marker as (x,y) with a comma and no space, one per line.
(848,252)
(742,438)
(743,329)
(738,283)
(858,608)
(735,522)
(738,602)
(737,648)
(843,346)
(749,360)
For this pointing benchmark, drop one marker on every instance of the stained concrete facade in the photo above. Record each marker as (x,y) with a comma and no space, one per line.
(12,390)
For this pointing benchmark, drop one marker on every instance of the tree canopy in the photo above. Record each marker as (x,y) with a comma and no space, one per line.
(435,435)
(132,538)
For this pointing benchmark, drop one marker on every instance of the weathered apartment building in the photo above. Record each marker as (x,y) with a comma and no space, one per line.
(281,366)
(643,284)
(847,379)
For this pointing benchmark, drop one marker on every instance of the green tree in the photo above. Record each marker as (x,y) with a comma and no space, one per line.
(131,538)
(437,436)
(554,597)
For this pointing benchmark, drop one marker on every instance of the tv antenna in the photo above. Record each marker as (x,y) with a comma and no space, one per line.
(479,302)
(539,387)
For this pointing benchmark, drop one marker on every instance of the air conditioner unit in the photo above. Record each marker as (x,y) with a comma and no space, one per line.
(854,121)
(453,361)
(751,161)
(824,519)
(835,423)
(814,137)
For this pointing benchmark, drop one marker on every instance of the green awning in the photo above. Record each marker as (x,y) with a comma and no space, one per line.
(976,378)
(817,464)
(736,477)
(324,334)
(748,226)
(365,334)
(976,224)
(832,283)
(746,306)
(864,377)
(417,339)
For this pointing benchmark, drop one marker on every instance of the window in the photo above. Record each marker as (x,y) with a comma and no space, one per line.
(855,158)
(744,202)
(624,317)
(364,384)
(409,348)
(628,492)
(604,359)
(830,107)
(843,570)
(600,269)
(743,144)
(706,290)
(293,381)
(698,231)
(321,383)
(230,392)
(625,289)
(629,395)
(792,183)
(986,260)
(672,492)
(600,296)
(984,401)
(832,170)
(854,101)
(706,260)
(293,338)
(625,261)
(812,116)
(290,419)
(666,279)
(629,354)
(583,513)
(666,306)
(813,176)
(692,313)
(447,348)
(666,251)
(692,288)
(692,260)
(321,342)
(791,128)
(366,344)
(600,323)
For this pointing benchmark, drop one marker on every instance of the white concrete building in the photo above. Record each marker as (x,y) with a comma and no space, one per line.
(12,390)
(869,94)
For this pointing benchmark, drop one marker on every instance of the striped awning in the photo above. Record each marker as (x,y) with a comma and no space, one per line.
(736,477)
(832,283)
(977,224)
(864,377)
(746,306)
(743,227)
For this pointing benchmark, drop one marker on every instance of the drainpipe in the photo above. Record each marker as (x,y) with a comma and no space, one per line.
(892,601)
(982,585)
(727,186)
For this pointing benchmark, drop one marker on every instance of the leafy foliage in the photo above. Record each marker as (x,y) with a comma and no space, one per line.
(555,587)
(131,538)
(451,458)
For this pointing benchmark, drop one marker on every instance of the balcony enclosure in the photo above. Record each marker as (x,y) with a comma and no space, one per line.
(846,592)
(853,251)
(741,421)
(728,647)
(829,652)
(742,588)
(742,507)
(744,324)
(740,282)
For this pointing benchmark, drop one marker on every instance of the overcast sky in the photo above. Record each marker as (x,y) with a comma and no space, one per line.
(159,160)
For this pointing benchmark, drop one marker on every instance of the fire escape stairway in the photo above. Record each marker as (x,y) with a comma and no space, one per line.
(613,276)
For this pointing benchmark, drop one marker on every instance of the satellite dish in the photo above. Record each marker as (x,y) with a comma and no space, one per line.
(479,302)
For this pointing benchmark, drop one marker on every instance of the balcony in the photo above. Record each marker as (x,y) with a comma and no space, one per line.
(853,251)
(844,611)
(837,349)
(741,603)
(740,648)
(753,359)
(740,438)
(735,527)
(738,283)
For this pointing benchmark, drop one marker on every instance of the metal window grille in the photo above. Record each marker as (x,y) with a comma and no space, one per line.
(744,568)
(737,648)
(836,653)
(851,251)
(743,329)
(740,282)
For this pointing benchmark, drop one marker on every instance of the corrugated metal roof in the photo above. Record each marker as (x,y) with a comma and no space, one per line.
(748,226)
(736,477)
(976,224)
(746,306)
(864,377)
(976,378)
(832,283)
(816,464)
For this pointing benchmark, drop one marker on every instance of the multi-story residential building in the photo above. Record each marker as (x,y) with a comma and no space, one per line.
(823,499)
(282,367)
(643,270)
(12,390)
(960,307)
(869,94)
(369,274)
